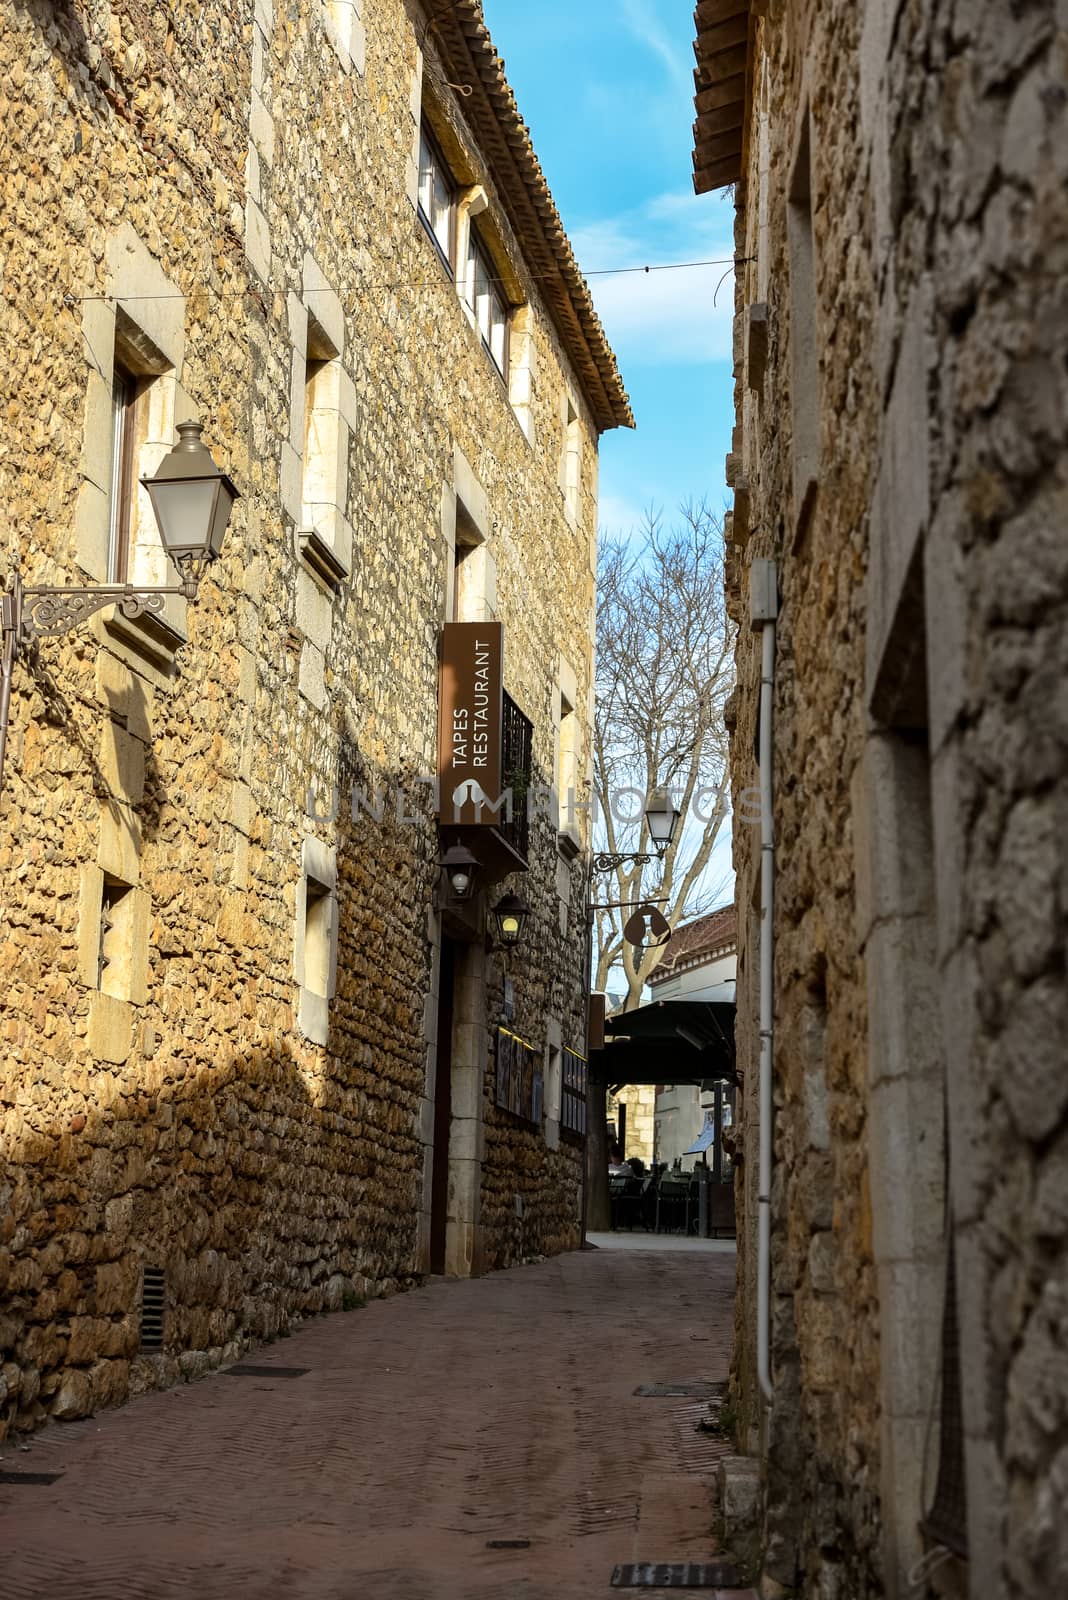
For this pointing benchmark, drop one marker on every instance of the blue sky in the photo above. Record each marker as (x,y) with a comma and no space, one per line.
(606,88)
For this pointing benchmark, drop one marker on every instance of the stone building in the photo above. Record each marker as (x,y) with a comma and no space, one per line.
(900,350)
(699,964)
(249,1031)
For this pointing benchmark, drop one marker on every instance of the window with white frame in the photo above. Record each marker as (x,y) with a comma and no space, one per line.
(483,293)
(437,195)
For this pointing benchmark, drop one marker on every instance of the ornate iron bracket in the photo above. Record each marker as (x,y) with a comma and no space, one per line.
(52,612)
(49,611)
(609,860)
(44,612)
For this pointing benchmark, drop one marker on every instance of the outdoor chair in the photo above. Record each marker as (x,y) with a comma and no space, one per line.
(674,1202)
(627,1198)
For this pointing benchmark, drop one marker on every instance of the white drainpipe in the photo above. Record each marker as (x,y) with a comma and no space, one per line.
(764,608)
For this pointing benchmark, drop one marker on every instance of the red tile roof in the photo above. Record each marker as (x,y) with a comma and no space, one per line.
(705,936)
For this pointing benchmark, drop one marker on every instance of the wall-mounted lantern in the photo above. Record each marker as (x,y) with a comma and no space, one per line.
(460,868)
(509,920)
(192,499)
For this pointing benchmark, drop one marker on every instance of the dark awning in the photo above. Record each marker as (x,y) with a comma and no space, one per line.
(668,1041)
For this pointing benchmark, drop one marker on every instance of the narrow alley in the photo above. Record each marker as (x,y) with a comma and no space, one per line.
(471,1439)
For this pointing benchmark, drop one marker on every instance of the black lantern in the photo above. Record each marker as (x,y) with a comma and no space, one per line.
(192,499)
(460,867)
(509,919)
(662,816)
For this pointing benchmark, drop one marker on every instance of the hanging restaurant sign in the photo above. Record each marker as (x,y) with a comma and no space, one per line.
(471,704)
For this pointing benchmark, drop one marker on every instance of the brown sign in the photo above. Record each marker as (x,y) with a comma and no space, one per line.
(645,921)
(469,722)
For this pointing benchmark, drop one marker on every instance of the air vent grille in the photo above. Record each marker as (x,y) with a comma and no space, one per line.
(153,1305)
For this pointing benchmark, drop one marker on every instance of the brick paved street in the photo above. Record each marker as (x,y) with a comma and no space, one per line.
(425,1426)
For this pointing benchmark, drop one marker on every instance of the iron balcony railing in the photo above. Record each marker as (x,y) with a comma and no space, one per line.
(517,738)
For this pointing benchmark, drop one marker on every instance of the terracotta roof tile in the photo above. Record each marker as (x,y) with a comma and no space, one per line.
(723,47)
(690,939)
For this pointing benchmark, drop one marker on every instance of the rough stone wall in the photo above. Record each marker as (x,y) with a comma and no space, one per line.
(979,219)
(823,1440)
(928,561)
(640,1101)
(190,1123)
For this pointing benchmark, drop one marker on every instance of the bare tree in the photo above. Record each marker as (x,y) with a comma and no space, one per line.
(664,670)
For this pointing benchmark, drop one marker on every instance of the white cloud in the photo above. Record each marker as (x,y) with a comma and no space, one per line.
(665,316)
(641,20)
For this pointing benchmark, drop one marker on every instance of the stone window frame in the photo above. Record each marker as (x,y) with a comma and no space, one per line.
(323,531)
(475,222)
(112,1003)
(466,523)
(478,254)
(567,759)
(344,27)
(553,1078)
(571,456)
(136,324)
(316,939)
(437,166)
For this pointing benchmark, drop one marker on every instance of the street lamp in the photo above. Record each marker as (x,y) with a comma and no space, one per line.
(192,499)
(509,919)
(662,818)
(460,867)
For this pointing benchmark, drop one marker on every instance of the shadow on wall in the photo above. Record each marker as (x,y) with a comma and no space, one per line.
(270,1187)
(255,1187)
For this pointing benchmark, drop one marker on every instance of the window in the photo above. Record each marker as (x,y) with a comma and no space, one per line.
(116,931)
(437,196)
(572,463)
(567,765)
(137,365)
(127,392)
(315,952)
(573,1097)
(805,415)
(465,595)
(317,938)
(482,291)
(319,455)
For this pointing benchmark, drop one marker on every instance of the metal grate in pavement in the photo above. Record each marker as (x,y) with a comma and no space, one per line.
(696,1390)
(30,1477)
(675,1575)
(245,1369)
(153,1307)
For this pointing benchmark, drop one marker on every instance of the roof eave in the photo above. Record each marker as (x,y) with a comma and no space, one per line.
(502,136)
(722,83)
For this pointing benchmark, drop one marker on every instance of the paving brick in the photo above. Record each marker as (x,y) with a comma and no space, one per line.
(427,1425)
